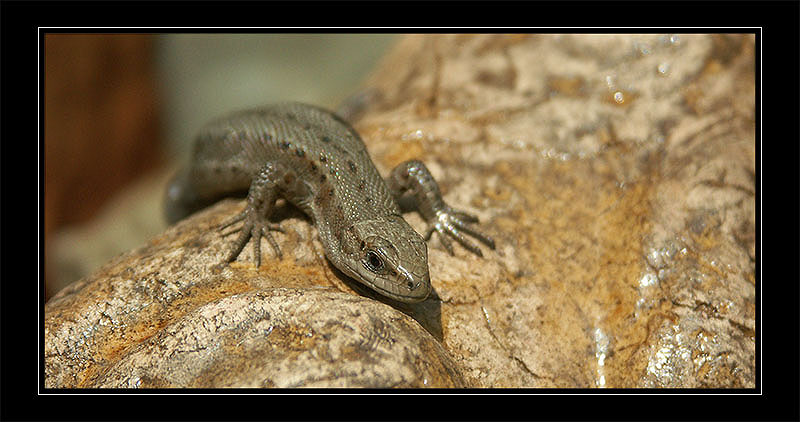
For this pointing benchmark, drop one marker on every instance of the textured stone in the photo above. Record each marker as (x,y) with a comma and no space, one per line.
(168,315)
(287,338)
(617,174)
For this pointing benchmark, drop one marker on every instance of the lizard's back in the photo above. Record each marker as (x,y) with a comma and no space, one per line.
(321,150)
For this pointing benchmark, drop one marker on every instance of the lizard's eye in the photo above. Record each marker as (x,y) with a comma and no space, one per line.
(374,262)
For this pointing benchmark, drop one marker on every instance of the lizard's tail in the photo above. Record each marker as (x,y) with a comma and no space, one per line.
(179,200)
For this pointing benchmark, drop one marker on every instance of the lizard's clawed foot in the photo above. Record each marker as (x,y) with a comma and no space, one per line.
(255,226)
(453,223)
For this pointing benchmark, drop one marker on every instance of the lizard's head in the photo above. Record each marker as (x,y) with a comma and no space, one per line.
(388,256)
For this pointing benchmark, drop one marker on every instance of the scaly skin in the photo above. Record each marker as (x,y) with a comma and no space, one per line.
(318,162)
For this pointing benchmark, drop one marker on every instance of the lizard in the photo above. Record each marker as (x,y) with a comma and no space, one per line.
(315,160)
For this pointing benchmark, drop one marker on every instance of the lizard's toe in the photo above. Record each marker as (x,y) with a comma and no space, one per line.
(254,227)
(451,223)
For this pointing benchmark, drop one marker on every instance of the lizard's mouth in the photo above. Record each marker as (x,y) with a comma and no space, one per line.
(412,298)
(417,290)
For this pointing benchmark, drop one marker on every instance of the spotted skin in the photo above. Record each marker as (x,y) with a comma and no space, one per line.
(316,161)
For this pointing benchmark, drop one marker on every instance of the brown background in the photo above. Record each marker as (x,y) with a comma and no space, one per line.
(101,123)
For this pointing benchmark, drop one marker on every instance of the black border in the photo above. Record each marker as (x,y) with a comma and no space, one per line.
(19,400)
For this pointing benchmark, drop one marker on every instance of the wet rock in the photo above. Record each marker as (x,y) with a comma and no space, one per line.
(616,174)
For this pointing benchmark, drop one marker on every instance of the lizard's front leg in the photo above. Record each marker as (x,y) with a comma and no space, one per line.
(412,176)
(260,202)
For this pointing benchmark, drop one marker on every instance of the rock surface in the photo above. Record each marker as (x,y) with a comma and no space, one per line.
(616,174)
(168,315)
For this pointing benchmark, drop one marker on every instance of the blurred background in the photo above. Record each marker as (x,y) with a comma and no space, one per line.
(121,112)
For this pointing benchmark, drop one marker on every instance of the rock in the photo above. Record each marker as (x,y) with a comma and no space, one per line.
(615,172)
(276,338)
(168,315)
